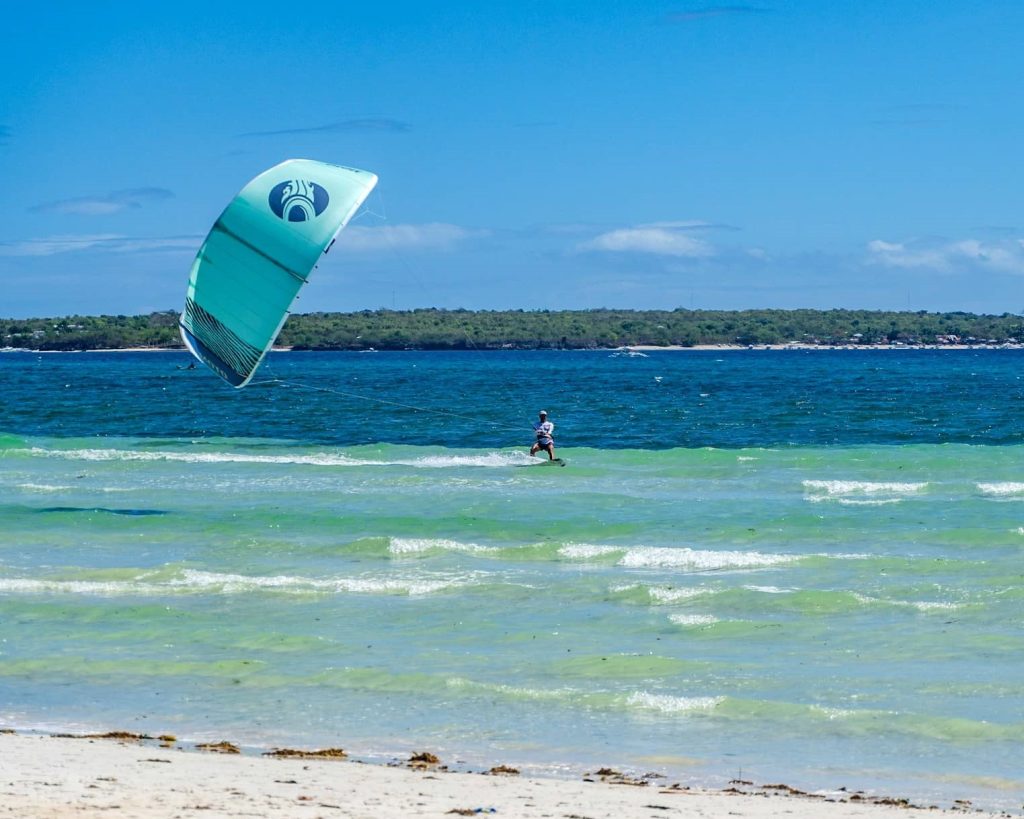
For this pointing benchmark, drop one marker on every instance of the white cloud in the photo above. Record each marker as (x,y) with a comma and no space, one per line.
(107,203)
(897,254)
(430,236)
(1005,255)
(104,242)
(659,238)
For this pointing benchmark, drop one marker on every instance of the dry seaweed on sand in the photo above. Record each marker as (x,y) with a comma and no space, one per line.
(423,759)
(612,777)
(791,791)
(292,753)
(219,747)
(505,770)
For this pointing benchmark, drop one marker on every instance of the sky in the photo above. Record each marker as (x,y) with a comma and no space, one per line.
(532,155)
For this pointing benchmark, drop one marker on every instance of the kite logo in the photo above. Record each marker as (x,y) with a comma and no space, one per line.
(298,200)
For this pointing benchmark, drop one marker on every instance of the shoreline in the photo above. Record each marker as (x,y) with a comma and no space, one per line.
(127,774)
(624,351)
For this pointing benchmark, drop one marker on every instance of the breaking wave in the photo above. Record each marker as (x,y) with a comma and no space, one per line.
(861,493)
(191,581)
(1003,489)
(321,459)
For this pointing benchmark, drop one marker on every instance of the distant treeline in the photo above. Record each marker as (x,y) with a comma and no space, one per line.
(430,329)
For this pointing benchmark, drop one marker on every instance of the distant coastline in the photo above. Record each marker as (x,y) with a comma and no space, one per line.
(639,331)
(644,349)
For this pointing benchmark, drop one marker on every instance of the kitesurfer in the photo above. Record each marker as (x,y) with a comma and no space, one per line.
(545,432)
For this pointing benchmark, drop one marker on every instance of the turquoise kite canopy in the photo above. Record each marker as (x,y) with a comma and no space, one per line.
(258,256)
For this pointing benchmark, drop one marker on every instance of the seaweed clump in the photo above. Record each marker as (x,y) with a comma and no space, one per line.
(293,753)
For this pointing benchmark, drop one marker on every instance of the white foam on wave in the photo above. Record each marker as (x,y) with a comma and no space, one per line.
(841,488)
(861,502)
(662,594)
(46,488)
(195,581)
(919,605)
(233,583)
(513,691)
(25,585)
(768,589)
(588,551)
(661,557)
(672,557)
(489,459)
(1001,489)
(669,704)
(832,713)
(693,619)
(411,546)
(317,459)
(933,605)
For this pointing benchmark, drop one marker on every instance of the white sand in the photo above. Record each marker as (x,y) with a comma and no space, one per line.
(43,777)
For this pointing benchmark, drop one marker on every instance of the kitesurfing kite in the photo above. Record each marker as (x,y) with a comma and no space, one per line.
(257,257)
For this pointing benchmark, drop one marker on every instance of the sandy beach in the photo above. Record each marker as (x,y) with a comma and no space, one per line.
(50,776)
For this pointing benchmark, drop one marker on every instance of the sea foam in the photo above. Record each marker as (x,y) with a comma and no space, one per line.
(692,619)
(660,557)
(669,704)
(413,546)
(1001,489)
(864,487)
(588,551)
(43,487)
(673,557)
(861,493)
(192,581)
(489,459)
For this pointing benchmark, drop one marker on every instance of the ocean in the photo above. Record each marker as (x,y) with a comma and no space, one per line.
(776,566)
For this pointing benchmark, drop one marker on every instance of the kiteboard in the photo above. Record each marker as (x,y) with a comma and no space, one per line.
(546,462)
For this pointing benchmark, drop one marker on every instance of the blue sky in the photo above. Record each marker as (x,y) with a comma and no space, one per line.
(532,155)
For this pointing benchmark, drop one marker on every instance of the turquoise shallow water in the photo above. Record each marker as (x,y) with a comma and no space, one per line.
(828,596)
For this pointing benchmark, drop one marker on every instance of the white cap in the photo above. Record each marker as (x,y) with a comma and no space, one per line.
(543,412)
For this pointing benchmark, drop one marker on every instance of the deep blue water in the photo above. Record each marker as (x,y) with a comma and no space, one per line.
(473,399)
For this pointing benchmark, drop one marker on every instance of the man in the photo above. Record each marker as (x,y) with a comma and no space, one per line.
(544,430)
